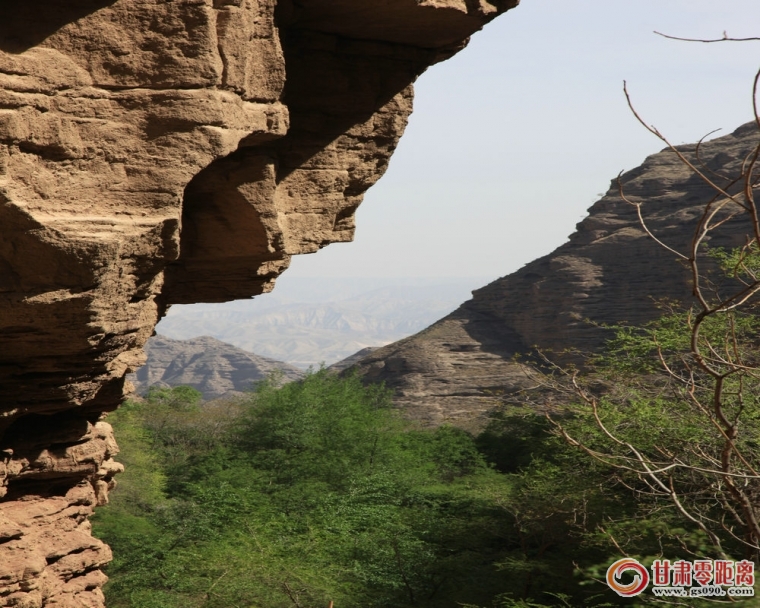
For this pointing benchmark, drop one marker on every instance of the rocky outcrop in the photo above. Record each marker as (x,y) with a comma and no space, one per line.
(156,152)
(608,272)
(208,365)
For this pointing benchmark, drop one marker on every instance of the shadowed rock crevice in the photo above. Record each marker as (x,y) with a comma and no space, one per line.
(24,25)
(427,24)
(223,227)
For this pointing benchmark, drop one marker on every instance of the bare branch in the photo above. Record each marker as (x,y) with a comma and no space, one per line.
(652,129)
(643,223)
(726,38)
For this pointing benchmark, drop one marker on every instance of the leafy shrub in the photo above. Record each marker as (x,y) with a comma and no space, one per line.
(318,491)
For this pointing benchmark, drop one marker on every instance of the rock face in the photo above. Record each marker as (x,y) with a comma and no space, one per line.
(608,272)
(156,152)
(207,364)
(352,360)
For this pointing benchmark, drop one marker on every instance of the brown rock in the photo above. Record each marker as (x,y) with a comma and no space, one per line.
(609,272)
(153,153)
(52,561)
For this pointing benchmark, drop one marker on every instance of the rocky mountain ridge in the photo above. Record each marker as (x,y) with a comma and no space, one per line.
(214,368)
(609,272)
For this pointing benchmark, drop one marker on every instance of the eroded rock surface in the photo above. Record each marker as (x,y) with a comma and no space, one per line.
(609,272)
(156,152)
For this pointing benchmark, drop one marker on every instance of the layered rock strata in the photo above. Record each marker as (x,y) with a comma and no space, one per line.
(156,152)
(609,272)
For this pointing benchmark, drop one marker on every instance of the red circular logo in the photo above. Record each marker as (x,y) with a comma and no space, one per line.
(640,579)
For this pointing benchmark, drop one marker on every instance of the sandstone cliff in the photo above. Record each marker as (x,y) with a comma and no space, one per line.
(608,272)
(156,152)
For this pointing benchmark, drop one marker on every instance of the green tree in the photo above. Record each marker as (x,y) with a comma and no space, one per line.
(318,491)
(678,419)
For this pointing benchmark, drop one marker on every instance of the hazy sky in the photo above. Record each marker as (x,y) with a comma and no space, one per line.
(512,139)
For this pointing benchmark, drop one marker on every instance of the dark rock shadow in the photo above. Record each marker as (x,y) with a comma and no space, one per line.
(336,83)
(26,23)
(491,332)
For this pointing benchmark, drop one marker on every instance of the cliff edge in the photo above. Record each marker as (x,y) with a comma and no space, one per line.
(156,152)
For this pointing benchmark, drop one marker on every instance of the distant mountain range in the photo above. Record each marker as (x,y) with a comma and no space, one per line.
(309,321)
(208,365)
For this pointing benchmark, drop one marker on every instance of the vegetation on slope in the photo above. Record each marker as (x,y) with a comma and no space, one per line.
(317,492)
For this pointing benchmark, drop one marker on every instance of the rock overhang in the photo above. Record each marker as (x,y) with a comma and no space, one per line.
(157,152)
